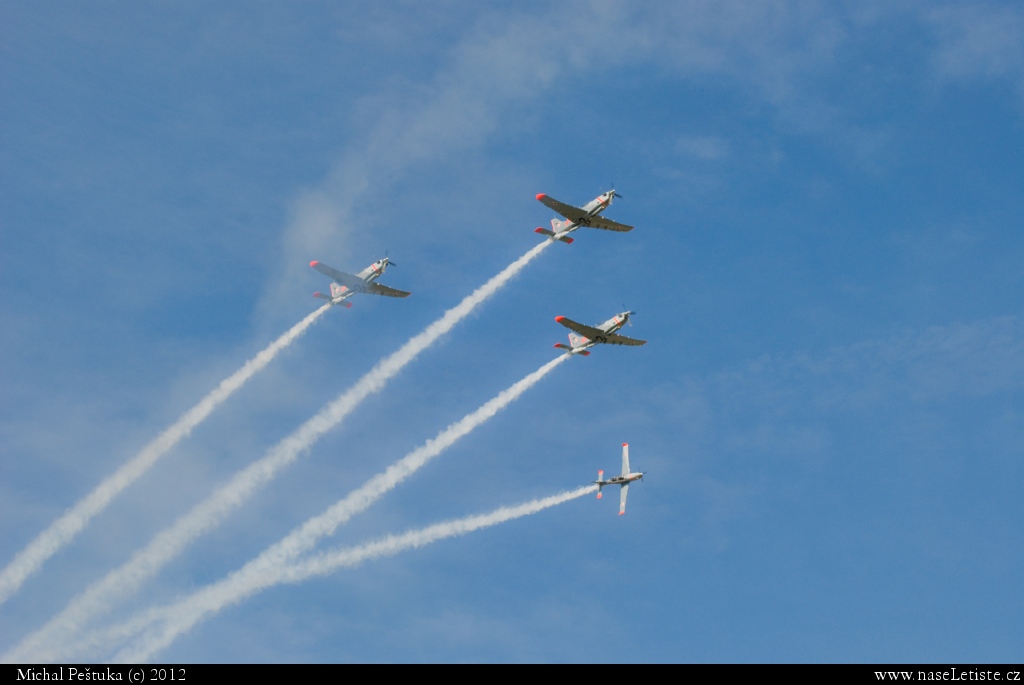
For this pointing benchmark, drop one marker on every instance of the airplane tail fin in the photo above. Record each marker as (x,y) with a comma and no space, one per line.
(574,342)
(558,225)
(338,290)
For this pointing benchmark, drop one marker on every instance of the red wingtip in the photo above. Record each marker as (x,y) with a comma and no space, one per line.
(621,513)
(541,196)
(538,230)
(559,318)
(318,294)
(599,495)
(314,263)
(625,444)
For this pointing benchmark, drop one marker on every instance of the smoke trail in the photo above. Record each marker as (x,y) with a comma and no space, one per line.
(64,529)
(181,617)
(48,642)
(305,537)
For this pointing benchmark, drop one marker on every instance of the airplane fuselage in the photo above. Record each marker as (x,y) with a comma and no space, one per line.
(619,480)
(373,272)
(615,323)
(597,205)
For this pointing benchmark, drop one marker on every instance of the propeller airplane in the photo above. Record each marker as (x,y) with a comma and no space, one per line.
(584,337)
(622,481)
(587,215)
(347,285)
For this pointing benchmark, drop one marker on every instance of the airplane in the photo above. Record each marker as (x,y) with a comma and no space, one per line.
(586,337)
(587,215)
(350,284)
(623,481)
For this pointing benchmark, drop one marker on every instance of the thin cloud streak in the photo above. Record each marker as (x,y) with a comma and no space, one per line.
(65,528)
(49,642)
(278,556)
(184,616)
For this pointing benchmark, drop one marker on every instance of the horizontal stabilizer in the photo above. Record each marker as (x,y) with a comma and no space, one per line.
(585,353)
(551,234)
(562,346)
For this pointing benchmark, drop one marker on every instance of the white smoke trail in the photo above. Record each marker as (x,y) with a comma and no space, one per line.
(49,642)
(64,529)
(182,616)
(305,537)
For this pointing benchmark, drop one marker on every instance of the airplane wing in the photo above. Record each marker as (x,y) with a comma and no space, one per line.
(625,459)
(616,339)
(378,289)
(568,211)
(622,498)
(608,224)
(350,281)
(582,329)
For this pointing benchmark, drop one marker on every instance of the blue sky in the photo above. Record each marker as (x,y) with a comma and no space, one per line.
(827,262)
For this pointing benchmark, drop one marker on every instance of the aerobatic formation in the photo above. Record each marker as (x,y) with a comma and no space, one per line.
(71,633)
(582,336)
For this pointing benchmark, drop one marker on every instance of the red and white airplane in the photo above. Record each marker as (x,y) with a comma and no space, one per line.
(584,337)
(587,215)
(348,285)
(623,481)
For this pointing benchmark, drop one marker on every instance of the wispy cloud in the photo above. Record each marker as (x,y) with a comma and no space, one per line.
(979,41)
